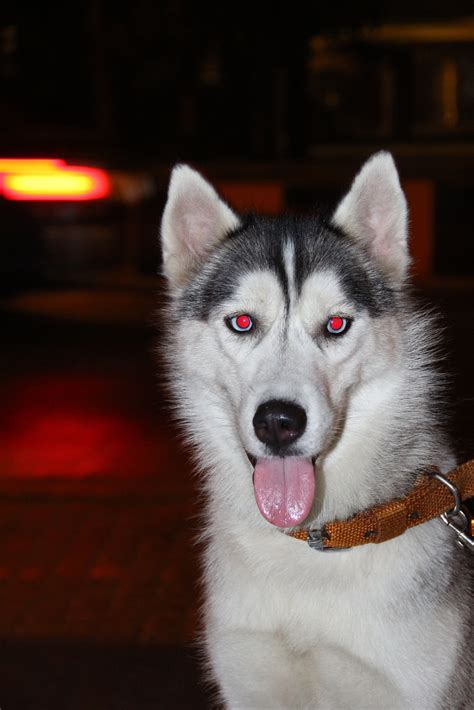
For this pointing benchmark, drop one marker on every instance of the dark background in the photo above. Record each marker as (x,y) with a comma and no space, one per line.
(279,105)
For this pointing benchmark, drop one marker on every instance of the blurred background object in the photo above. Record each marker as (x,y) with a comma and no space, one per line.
(279,107)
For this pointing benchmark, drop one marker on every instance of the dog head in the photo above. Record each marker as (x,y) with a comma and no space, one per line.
(286,342)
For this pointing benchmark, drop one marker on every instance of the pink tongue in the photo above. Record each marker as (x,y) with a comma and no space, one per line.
(284,489)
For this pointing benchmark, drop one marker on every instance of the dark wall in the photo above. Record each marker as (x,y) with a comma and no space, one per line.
(184,78)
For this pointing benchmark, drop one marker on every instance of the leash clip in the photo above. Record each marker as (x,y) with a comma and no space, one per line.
(316,539)
(458,518)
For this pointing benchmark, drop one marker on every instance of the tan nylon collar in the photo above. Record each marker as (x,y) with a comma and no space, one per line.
(426,501)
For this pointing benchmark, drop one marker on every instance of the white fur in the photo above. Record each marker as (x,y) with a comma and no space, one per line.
(287,626)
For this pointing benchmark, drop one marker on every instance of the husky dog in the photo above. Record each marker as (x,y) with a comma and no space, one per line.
(304,376)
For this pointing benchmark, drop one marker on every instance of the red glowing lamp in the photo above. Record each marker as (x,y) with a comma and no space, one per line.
(51,180)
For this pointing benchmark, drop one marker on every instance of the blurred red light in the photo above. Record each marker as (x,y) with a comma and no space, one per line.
(68,425)
(51,180)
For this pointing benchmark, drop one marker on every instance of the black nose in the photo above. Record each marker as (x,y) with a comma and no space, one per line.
(278,423)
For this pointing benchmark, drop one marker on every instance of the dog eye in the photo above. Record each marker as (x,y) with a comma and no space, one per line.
(337,325)
(242,323)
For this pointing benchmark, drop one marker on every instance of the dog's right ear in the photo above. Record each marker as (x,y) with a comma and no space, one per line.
(374,213)
(194,220)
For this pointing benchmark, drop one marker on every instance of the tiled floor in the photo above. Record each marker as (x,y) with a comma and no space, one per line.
(98,568)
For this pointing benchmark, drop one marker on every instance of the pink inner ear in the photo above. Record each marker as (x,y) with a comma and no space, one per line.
(378,223)
(198,227)
(204,219)
(375,220)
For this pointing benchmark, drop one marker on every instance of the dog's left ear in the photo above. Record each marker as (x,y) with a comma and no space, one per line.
(374,212)
(194,220)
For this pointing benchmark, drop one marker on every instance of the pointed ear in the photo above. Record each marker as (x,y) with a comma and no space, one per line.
(374,212)
(194,220)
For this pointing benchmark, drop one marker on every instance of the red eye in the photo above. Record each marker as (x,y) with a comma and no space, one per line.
(241,323)
(337,325)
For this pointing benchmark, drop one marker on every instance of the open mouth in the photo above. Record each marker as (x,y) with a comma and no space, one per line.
(284,488)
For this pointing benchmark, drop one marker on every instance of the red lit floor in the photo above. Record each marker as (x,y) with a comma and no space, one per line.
(97,516)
